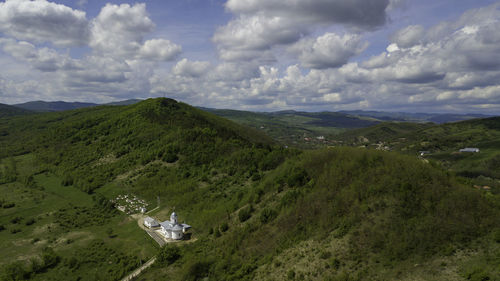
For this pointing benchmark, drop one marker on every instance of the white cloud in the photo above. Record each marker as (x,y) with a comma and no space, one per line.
(262,24)
(43,59)
(43,21)
(329,50)
(191,68)
(119,29)
(159,49)
(408,36)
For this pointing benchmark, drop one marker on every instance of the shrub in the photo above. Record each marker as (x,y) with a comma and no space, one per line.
(15,230)
(8,205)
(168,255)
(16,220)
(30,221)
(267,215)
(245,213)
(224,227)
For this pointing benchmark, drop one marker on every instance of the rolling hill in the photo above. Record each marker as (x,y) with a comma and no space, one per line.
(9,110)
(51,106)
(259,211)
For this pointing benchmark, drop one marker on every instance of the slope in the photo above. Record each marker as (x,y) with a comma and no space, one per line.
(9,110)
(350,214)
(157,148)
(295,128)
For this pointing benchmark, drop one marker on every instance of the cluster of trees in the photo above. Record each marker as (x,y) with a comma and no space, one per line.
(20,270)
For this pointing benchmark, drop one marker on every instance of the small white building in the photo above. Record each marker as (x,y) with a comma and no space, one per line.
(172,229)
(469,149)
(150,222)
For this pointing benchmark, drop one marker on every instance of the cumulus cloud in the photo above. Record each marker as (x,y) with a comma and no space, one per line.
(119,30)
(360,13)
(159,49)
(43,21)
(408,36)
(329,50)
(191,68)
(43,59)
(263,24)
(302,54)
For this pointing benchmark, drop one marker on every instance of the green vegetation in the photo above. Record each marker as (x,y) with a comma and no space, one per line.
(298,129)
(259,211)
(8,110)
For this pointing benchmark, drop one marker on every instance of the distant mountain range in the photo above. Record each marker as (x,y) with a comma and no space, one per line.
(48,106)
(438,118)
(341,119)
(9,110)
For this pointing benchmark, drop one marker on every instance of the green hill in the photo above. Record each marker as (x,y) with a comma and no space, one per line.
(9,110)
(387,131)
(44,106)
(296,128)
(158,148)
(350,214)
(258,211)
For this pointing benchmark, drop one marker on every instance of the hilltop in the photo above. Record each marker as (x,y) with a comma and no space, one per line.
(59,170)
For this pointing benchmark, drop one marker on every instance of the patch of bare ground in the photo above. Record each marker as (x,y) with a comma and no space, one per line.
(44,228)
(309,260)
(108,159)
(134,173)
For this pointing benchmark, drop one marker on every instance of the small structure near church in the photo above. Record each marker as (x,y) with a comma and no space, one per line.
(150,222)
(469,149)
(171,229)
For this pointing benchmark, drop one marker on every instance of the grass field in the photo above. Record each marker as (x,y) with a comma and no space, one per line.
(31,225)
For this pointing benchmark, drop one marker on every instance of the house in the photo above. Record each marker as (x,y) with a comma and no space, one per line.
(422,153)
(469,149)
(143,210)
(150,222)
(172,229)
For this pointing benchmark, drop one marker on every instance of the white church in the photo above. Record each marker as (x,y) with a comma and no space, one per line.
(172,229)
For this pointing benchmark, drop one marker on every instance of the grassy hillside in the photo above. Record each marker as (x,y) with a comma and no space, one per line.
(258,211)
(381,132)
(350,214)
(158,148)
(442,143)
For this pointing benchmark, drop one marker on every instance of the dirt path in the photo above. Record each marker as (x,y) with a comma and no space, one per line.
(138,271)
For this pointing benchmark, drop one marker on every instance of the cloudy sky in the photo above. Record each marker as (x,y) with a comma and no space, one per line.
(262,55)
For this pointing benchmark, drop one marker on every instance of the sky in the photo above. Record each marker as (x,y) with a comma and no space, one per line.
(439,56)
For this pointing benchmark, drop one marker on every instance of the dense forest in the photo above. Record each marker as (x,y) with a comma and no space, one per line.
(259,210)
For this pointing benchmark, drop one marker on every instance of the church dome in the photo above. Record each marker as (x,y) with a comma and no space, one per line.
(173,218)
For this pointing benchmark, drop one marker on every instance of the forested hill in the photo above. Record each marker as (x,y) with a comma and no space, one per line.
(9,110)
(258,211)
(78,143)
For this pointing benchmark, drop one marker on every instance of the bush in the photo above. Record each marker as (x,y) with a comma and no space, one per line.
(8,205)
(16,220)
(30,221)
(267,215)
(15,230)
(168,255)
(224,227)
(245,213)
